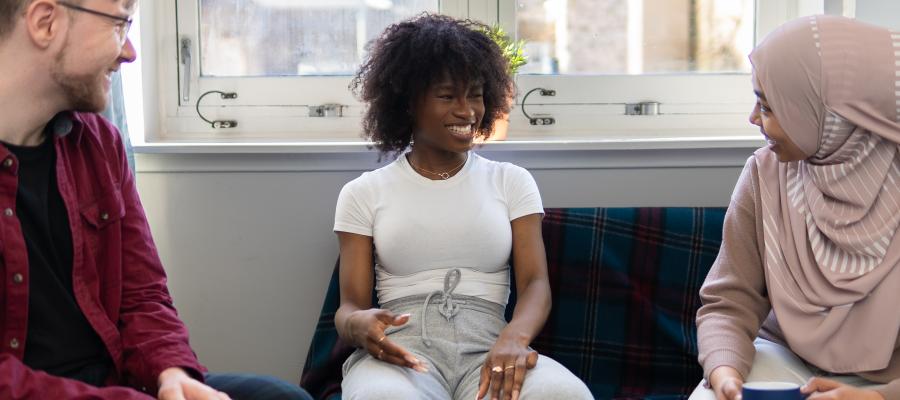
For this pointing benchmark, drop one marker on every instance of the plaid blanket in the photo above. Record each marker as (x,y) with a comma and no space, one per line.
(625,285)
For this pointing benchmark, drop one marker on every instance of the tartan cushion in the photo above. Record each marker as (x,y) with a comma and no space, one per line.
(625,285)
(321,375)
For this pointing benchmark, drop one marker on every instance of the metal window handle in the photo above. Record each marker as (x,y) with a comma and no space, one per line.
(219,123)
(538,119)
(185,70)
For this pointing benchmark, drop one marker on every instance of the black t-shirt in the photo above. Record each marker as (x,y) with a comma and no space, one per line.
(60,340)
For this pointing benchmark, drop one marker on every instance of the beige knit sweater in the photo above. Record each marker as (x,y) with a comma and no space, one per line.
(736,307)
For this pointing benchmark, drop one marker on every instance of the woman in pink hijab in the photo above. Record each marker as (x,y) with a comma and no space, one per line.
(806,287)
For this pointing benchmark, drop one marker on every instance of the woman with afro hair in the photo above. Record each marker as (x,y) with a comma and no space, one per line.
(435,231)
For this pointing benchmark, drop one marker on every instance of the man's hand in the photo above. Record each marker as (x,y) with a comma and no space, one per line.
(176,384)
(821,388)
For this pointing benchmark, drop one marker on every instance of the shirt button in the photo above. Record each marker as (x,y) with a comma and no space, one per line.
(14,343)
(18,278)
(104,216)
(8,212)
(8,162)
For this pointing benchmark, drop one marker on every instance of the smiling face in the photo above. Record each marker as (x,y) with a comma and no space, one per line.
(447,116)
(92,51)
(777,139)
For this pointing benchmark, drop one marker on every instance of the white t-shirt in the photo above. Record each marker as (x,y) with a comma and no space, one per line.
(423,228)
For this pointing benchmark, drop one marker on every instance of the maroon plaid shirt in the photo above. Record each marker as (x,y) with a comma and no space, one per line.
(117,276)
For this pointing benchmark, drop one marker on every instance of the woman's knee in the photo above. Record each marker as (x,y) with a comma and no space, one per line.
(562,388)
(702,393)
(381,390)
(774,362)
(551,380)
(374,380)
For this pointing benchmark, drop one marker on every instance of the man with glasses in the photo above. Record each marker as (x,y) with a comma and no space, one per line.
(85,309)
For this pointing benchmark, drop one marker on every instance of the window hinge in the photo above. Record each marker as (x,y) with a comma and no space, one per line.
(643,108)
(330,110)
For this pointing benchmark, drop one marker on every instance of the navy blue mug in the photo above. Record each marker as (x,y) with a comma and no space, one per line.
(772,391)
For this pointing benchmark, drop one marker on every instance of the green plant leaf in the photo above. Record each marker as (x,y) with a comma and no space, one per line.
(513,50)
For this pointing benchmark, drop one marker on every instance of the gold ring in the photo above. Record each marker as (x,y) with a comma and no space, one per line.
(382,339)
(509,366)
(380,354)
(497,369)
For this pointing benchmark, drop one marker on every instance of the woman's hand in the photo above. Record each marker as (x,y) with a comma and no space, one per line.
(366,328)
(726,382)
(821,389)
(504,368)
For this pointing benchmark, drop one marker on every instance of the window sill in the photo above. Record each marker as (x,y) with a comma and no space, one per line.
(301,147)
(705,152)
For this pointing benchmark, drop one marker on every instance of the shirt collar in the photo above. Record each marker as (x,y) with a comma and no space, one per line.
(63,123)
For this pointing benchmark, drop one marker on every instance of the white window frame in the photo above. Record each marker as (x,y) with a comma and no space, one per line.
(276,109)
(267,108)
(691,106)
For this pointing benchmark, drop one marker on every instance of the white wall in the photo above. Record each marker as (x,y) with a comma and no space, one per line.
(247,241)
(880,12)
(248,257)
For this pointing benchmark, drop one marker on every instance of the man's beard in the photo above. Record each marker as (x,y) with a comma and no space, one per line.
(82,92)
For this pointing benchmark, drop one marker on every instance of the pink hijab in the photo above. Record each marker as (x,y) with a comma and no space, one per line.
(830,221)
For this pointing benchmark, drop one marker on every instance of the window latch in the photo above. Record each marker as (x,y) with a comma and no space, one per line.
(330,110)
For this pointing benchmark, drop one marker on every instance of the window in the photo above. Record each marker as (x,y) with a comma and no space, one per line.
(283,58)
(636,37)
(300,37)
(686,59)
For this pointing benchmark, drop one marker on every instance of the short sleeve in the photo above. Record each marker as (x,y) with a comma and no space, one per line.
(522,193)
(351,214)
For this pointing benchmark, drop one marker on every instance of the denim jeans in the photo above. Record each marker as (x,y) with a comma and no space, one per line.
(256,387)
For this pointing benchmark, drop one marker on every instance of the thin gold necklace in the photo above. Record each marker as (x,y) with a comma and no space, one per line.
(442,175)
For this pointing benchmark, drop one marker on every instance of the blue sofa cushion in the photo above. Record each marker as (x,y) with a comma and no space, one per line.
(625,285)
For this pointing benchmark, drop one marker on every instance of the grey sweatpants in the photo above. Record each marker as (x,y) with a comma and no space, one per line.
(458,347)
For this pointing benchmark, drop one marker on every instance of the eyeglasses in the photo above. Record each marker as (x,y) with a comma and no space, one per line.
(123,24)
